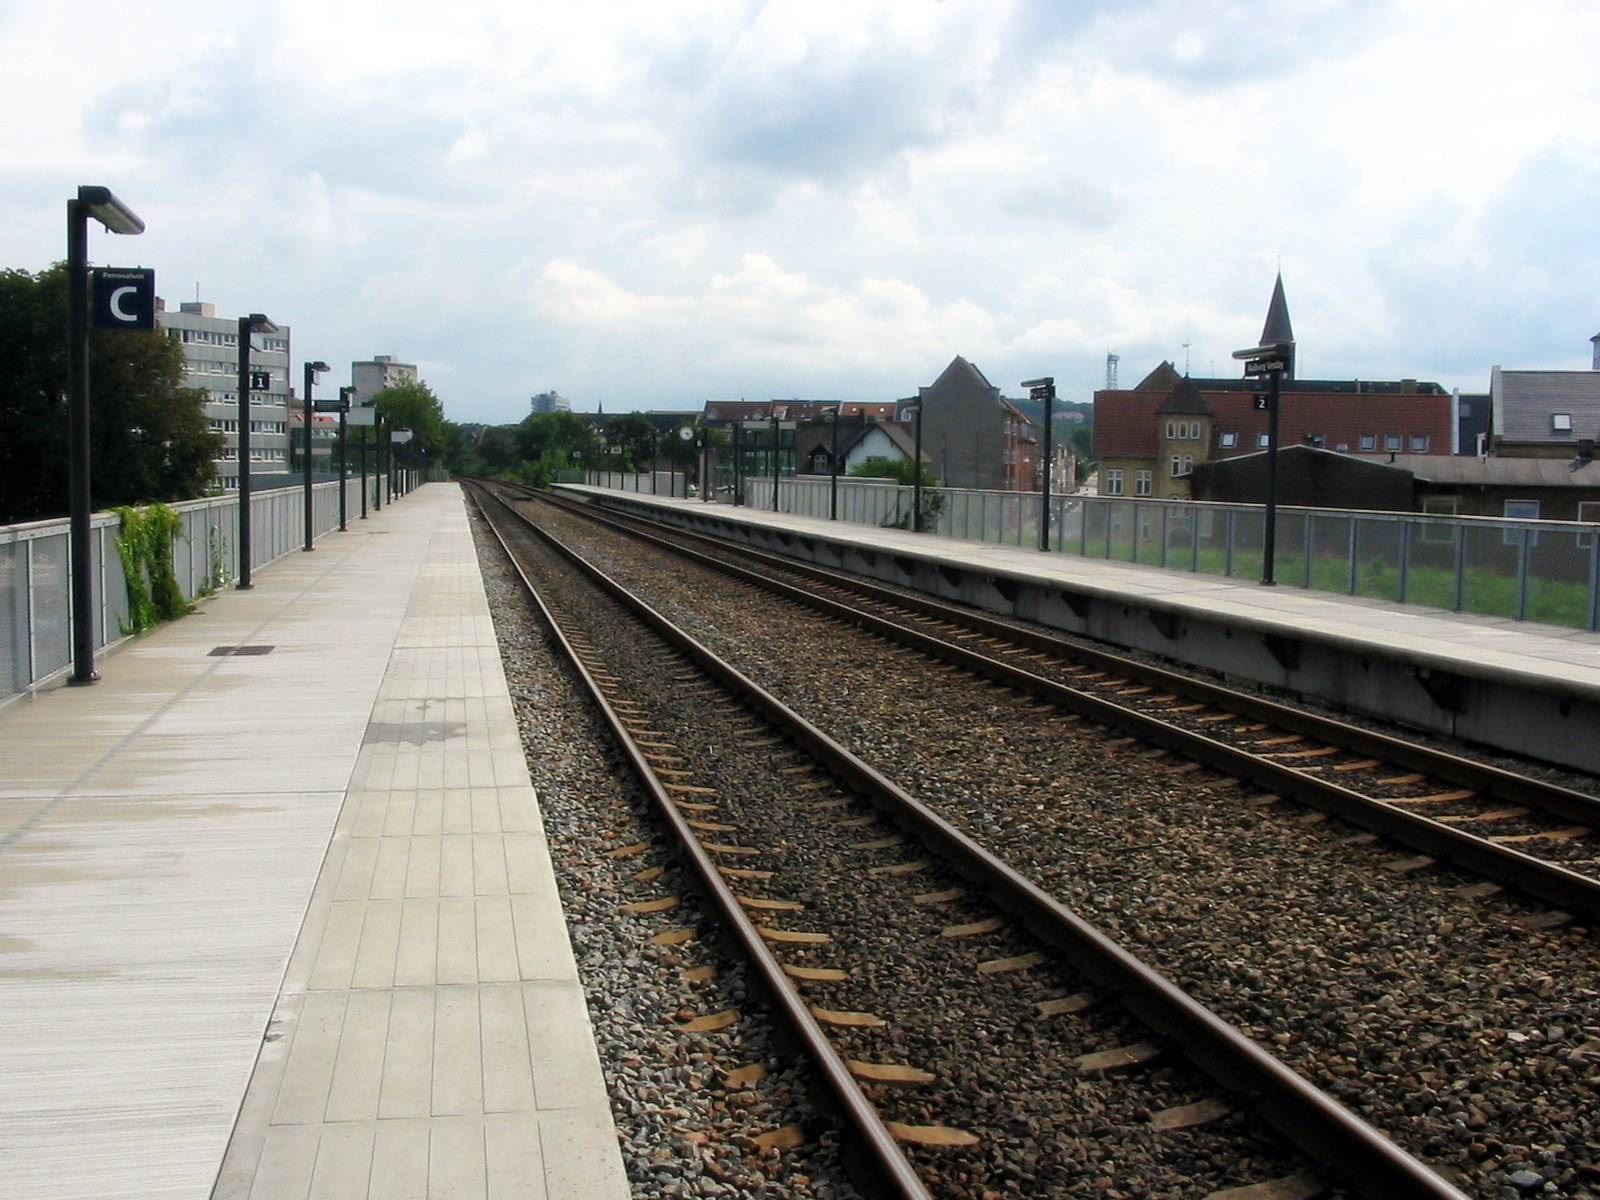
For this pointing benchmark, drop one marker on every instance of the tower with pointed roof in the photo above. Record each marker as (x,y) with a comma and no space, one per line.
(1278,328)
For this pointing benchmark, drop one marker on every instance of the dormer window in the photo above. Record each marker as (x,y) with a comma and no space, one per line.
(1560,422)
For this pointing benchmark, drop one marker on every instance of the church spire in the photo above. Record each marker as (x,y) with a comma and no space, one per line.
(1278,328)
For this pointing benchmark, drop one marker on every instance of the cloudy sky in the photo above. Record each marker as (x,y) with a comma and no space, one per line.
(652,203)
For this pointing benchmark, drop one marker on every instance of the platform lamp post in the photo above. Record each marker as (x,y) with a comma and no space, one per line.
(366,438)
(1270,360)
(377,461)
(833,464)
(777,433)
(313,369)
(344,466)
(916,466)
(254,323)
(116,217)
(1044,389)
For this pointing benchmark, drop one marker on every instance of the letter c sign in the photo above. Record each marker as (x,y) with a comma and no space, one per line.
(124,298)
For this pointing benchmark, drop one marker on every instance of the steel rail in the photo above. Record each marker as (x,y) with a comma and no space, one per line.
(1307,1117)
(875,1160)
(1545,881)
(1450,768)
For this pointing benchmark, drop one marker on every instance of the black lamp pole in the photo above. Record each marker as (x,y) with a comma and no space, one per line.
(1271,360)
(774,464)
(344,466)
(1269,540)
(1044,389)
(99,203)
(313,369)
(916,472)
(833,471)
(247,325)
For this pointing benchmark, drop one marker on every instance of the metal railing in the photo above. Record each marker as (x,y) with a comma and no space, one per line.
(1545,571)
(35,583)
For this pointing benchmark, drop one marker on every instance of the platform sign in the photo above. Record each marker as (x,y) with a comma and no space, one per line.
(333,406)
(363,415)
(124,298)
(1265,366)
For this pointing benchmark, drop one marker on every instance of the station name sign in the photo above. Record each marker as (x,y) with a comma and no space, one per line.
(124,298)
(1265,366)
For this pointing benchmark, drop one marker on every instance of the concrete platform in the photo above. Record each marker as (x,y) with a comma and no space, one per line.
(1509,685)
(283,923)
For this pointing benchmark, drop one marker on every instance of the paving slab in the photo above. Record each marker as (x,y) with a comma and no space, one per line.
(285,925)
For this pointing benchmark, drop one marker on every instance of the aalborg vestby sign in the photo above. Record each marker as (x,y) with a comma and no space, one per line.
(124,298)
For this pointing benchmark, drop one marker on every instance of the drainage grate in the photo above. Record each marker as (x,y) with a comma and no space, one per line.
(240,651)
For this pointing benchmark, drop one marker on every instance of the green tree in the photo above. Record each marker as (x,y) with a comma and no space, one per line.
(555,437)
(636,436)
(149,437)
(413,406)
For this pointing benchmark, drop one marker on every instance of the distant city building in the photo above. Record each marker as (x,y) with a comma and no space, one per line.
(211,363)
(551,402)
(379,372)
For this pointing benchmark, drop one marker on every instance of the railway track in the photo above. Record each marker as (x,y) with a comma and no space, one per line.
(939,991)
(1508,828)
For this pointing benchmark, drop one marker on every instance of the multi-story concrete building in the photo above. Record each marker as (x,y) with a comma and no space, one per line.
(551,402)
(379,372)
(211,356)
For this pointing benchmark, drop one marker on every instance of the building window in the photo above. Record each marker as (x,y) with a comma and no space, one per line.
(1114,482)
(1520,510)
(1261,441)
(1172,430)
(1391,441)
(1560,422)
(1142,481)
(1227,440)
(1319,440)
(1419,445)
(1589,514)
(1439,506)
(1369,441)
(1182,464)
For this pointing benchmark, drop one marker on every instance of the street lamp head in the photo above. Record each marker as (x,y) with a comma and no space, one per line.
(99,203)
(258,323)
(1271,350)
(317,368)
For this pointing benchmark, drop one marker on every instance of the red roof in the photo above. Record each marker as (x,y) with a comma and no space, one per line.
(1127,425)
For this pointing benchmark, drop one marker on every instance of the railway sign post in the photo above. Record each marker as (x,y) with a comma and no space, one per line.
(1271,361)
(1044,389)
(99,204)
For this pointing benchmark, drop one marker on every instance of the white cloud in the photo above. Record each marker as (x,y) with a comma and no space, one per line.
(831,197)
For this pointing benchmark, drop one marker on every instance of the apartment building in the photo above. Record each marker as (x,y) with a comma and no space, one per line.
(379,372)
(211,359)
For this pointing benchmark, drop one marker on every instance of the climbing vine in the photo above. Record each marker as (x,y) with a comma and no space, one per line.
(144,543)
